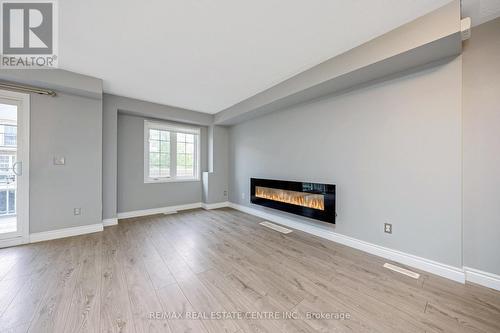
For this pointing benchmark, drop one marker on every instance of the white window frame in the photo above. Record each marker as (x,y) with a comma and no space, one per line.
(172,128)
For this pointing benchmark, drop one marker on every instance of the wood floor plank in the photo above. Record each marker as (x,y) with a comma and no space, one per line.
(267,268)
(343,274)
(186,244)
(22,328)
(203,300)
(174,301)
(14,263)
(309,308)
(176,265)
(252,301)
(85,301)
(8,290)
(142,295)
(116,314)
(27,301)
(222,262)
(51,316)
(381,308)
(155,266)
(31,260)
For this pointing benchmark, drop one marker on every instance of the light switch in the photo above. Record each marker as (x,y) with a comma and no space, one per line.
(59,160)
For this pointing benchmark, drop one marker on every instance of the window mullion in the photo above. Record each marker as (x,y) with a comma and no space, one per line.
(173,154)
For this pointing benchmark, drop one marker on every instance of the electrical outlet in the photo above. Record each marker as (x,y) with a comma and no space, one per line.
(59,160)
(388,228)
(225,193)
(243,195)
(77,211)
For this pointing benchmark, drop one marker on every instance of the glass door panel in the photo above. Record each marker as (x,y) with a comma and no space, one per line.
(9,169)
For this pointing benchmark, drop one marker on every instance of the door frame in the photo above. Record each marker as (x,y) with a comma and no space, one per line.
(23,154)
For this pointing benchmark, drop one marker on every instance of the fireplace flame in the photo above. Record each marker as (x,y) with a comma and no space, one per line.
(304,199)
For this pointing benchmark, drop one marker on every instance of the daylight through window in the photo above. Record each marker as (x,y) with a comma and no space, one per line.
(170,152)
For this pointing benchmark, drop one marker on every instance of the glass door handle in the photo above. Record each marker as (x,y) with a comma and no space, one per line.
(17,168)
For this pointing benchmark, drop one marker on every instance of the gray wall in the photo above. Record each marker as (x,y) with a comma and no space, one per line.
(133,193)
(392,148)
(112,105)
(109,157)
(69,126)
(216,180)
(481,108)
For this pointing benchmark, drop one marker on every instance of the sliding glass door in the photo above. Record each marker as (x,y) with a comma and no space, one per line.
(14,140)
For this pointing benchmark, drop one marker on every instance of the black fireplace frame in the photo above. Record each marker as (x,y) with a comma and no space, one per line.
(327,190)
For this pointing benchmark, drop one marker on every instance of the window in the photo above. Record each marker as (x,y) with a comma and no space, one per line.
(7,202)
(4,163)
(8,135)
(10,138)
(171,152)
(159,153)
(7,175)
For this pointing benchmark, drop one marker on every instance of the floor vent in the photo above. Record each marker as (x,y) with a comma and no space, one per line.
(276,227)
(402,270)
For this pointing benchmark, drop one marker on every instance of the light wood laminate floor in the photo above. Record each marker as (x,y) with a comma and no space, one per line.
(222,264)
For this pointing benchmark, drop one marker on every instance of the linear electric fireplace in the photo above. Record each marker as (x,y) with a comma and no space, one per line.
(312,200)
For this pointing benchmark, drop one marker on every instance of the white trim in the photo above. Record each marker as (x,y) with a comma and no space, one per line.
(482,278)
(402,270)
(170,180)
(65,232)
(14,241)
(447,271)
(110,222)
(276,227)
(173,129)
(215,205)
(161,210)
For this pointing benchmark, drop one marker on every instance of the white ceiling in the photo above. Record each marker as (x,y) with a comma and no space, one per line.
(207,55)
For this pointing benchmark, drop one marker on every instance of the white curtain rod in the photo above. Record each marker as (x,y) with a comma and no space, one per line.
(30,89)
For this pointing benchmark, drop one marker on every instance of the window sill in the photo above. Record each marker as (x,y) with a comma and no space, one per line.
(170,180)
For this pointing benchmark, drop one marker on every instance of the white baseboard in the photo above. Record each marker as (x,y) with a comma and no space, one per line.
(215,205)
(110,222)
(161,210)
(447,271)
(486,279)
(65,232)
(13,241)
